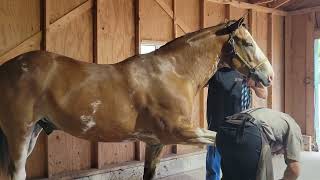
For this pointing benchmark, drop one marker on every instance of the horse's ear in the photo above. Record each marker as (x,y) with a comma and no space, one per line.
(230,28)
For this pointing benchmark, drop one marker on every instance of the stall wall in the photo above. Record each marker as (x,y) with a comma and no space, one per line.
(107,32)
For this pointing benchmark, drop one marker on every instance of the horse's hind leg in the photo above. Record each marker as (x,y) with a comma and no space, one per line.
(152,159)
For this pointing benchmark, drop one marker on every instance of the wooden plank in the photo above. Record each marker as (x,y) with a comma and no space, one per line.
(67,153)
(156,25)
(304,11)
(37,164)
(189,14)
(244,5)
(19,21)
(278,3)
(270,54)
(278,63)
(177,20)
(252,20)
(297,71)
(309,76)
(32,43)
(116,31)
(63,21)
(137,26)
(215,13)
(260,1)
(59,8)
(288,78)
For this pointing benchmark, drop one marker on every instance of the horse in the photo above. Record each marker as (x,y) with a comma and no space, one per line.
(145,97)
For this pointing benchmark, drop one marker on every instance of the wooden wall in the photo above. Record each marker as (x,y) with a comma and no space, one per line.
(299,68)
(107,32)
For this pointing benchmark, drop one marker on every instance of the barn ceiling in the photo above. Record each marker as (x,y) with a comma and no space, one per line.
(287,5)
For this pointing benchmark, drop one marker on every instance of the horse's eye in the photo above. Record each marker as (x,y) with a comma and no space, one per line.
(248,44)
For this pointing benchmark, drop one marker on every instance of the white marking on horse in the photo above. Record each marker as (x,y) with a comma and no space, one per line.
(89,120)
(95,106)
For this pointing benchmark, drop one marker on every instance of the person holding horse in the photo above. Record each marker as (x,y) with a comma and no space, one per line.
(229,93)
(248,139)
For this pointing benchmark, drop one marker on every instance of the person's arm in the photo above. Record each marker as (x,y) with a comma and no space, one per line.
(292,171)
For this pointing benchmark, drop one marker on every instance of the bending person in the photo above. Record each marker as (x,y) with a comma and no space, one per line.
(248,139)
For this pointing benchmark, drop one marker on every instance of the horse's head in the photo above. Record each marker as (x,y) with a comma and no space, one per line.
(242,53)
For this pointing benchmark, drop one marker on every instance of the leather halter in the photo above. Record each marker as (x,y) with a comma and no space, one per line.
(229,30)
(233,53)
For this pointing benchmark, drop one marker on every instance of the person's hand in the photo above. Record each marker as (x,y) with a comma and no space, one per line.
(258,88)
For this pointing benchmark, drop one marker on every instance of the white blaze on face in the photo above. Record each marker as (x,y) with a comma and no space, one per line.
(89,120)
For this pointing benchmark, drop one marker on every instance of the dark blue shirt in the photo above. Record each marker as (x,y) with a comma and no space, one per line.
(224,96)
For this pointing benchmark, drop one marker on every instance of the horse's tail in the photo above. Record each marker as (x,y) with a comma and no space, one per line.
(4,153)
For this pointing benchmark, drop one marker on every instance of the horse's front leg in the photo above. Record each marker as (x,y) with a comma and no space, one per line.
(196,136)
(152,160)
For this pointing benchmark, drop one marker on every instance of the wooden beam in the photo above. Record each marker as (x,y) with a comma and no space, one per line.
(252,20)
(201,94)
(304,11)
(278,3)
(137,26)
(270,54)
(95,31)
(60,23)
(245,5)
(31,43)
(175,25)
(309,83)
(260,1)
(287,81)
(168,10)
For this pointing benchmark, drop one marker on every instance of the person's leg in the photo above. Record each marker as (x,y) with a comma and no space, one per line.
(213,163)
(239,160)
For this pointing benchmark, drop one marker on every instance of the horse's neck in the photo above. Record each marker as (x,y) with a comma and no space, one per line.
(198,59)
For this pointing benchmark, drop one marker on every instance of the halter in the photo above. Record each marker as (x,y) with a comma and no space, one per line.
(234,53)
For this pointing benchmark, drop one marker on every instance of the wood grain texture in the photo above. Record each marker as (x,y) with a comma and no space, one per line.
(278,63)
(67,153)
(59,8)
(309,76)
(215,14)
(30,44)
(156,24)
(19,21)
(74,39)
(296,71)
(116,31)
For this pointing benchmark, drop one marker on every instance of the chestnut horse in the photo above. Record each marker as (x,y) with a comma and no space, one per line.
(145,97)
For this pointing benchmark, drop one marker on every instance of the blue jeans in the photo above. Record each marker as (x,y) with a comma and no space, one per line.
(213,163)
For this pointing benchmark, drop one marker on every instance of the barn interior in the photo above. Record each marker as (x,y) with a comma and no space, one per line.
(109,31)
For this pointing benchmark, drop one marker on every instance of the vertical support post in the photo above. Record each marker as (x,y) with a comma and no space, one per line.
(270,54)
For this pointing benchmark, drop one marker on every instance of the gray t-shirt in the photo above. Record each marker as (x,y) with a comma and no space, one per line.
(282,131)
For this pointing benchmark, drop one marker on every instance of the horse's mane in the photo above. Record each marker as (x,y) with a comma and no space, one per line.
(184,39)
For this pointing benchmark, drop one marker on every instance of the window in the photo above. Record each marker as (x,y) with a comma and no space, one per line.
(149,46)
